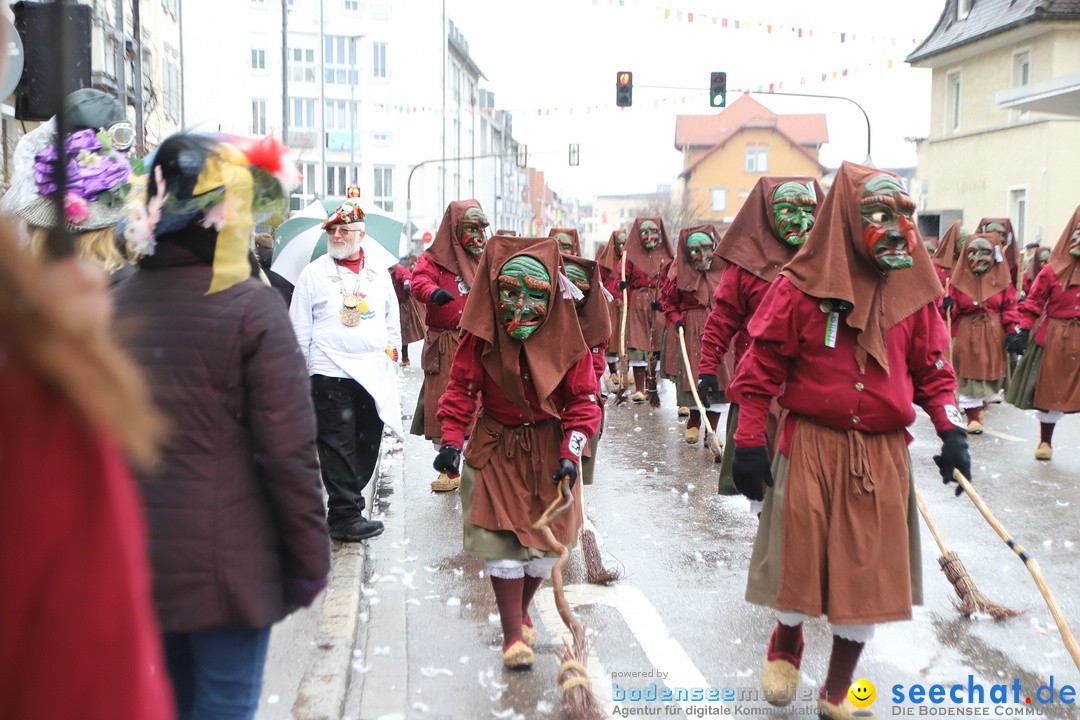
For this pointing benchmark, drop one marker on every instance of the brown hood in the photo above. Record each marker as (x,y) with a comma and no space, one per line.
(446,250)
(1009,246)
(575,241)
(594,318)
(553,348)
(948,248)
(687,279)
(1064,264)
(648,261)
(834,265)
(606,255)
(981,287)
(751,242)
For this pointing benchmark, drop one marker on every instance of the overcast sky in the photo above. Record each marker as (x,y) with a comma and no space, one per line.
(553,64)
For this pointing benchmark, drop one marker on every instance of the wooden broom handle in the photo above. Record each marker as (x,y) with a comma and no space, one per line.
(693,383)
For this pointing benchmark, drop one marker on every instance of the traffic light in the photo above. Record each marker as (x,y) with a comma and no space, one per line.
(718,89)
(624,88)
(575,154)
(522,155)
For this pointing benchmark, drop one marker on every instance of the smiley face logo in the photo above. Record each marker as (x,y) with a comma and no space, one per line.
(862,693)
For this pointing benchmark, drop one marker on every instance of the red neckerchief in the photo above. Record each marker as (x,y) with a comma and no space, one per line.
(354,265)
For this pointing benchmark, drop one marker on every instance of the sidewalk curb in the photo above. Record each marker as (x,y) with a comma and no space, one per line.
(322,691)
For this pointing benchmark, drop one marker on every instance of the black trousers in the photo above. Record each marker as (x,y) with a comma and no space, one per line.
(350,433)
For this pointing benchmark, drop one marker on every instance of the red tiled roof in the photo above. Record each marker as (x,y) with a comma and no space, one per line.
(807,129)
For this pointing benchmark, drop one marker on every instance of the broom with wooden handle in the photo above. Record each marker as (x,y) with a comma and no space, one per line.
(1029,562)
(971,600)
(624,359)
(712,440)
(595,571)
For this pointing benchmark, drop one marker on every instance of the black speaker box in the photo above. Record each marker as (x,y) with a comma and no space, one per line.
(36,97)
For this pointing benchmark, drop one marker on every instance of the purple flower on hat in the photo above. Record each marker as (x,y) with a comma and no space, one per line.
(90,171)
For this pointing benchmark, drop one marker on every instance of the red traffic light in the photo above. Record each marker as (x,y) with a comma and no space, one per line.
(624,88)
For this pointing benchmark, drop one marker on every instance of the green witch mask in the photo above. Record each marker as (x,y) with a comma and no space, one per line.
(566,243)
(793,206)
(699,247)
(474,231)
(1074,242)
(650,234)
(620,243)
(577,275)
(888,233)
(524,295)
(980,255)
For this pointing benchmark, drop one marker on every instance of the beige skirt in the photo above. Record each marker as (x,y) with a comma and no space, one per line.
(839,533)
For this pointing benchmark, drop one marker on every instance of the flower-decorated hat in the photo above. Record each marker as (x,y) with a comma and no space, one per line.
(347,212)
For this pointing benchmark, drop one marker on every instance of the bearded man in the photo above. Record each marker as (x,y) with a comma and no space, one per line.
(346,318)
(773,223)
(848,337)
(441,281)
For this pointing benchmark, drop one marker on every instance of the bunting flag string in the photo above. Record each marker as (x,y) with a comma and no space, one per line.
(683,101)
(768,27)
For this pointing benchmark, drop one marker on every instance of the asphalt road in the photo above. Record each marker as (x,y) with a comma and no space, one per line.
(428,641)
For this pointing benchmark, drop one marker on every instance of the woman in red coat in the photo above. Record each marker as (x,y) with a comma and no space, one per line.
(523,358)
(1046,378)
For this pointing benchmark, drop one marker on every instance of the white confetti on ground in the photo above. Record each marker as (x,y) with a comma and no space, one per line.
(435,672)
(422,707)
(381,650)
(273,699)
(453,602)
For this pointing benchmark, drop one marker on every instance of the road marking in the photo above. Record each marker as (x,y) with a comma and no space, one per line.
(1003,436)
(644,622)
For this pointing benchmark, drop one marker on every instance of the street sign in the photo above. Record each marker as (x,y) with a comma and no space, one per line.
(427,237)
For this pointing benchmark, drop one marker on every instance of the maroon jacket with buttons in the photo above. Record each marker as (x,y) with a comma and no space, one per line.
(235,506)
(426,278)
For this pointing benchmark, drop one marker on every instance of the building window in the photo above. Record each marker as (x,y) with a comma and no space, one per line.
(380,138)
(756,159)
(1018,210)
(302,67)
(352,5)
(963,7)
(307,182)
(339,60)
(952,102)
(337,179)
(719,200)
(303,113)
(172,7)
(338,116)
(384,187)
(170,71)
(378,66)
(258,59)
(1021,69)
(258,117)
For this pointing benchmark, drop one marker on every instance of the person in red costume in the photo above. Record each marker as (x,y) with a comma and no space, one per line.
(608,258)
(1010,248)
(441,281)
(412,320)
(848,337)
(685,297)
(592,311)
(1046,377)
(523,358)
(1035,265)
(773,223)
(79,638)
(647,250)
(982,304)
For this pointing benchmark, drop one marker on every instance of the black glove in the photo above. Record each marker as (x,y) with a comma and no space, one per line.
(567,469)
(954,454)
(680,325)
(1017,342)
(441,297)
(707,383)
(947,303)
(750,469)
(623,284)
(406,290)
(448,459)
(654,304)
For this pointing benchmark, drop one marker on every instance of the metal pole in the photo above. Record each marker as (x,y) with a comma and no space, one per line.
(140,131)
(59,243)
(408,185)
(285,71)
(866,117)
(121,65)
(322,102)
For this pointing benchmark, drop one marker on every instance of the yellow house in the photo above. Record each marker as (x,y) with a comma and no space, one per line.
(725,154)
(1006,78)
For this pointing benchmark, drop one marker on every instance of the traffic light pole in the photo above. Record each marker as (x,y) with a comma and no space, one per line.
(866,117)
(408,183)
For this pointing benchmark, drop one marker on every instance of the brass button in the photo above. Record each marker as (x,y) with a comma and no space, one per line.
(855,419)
(859,386)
